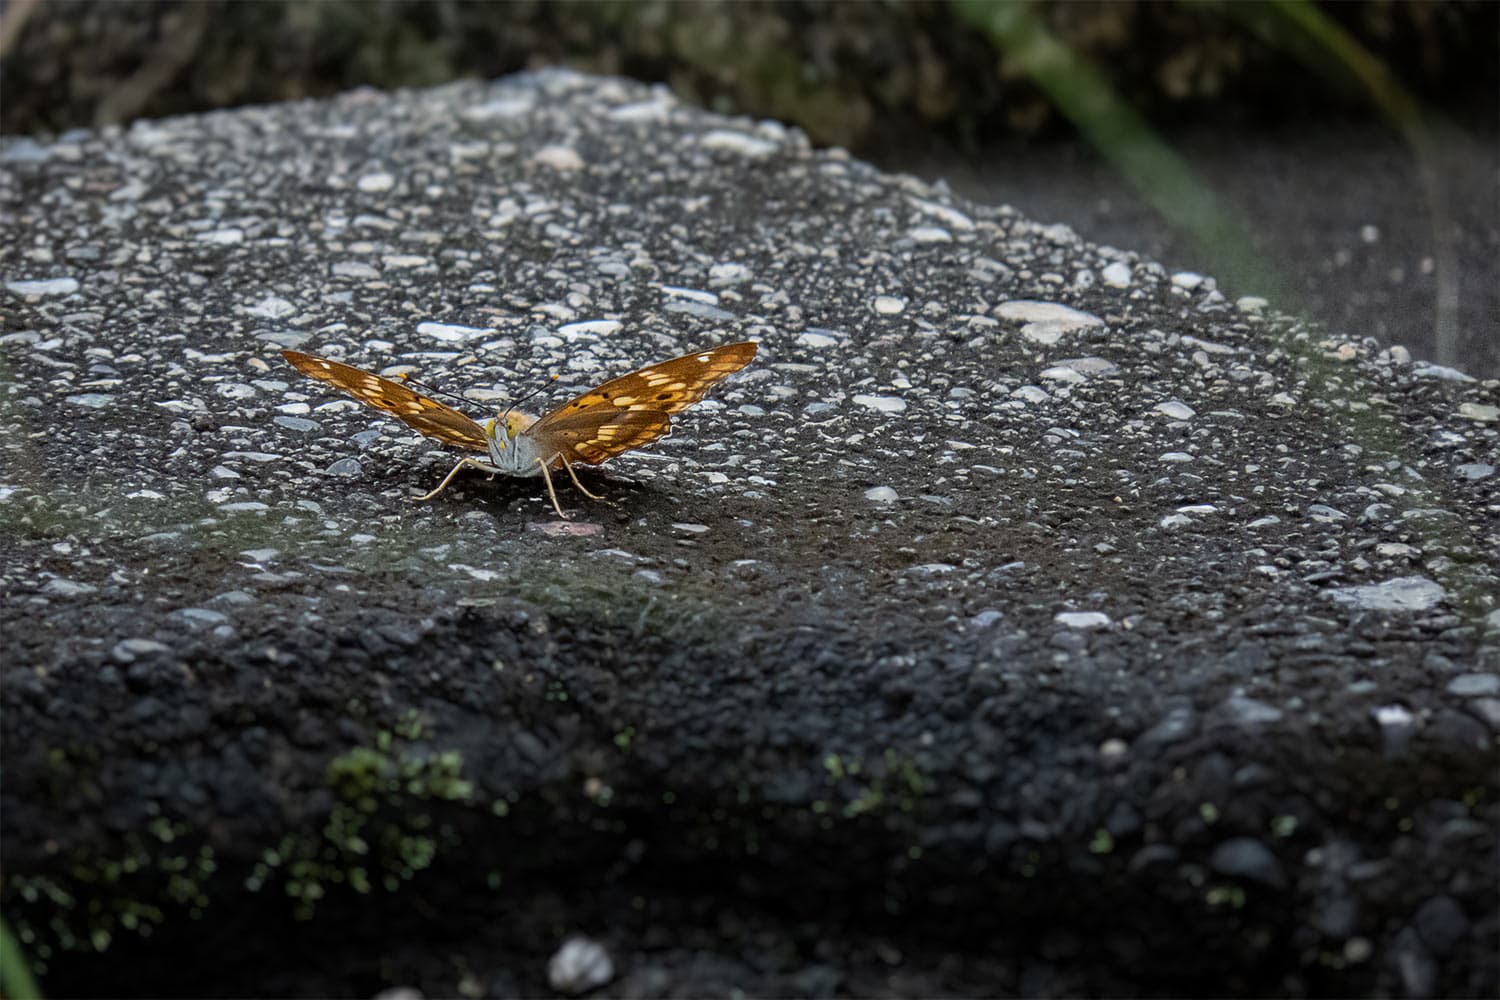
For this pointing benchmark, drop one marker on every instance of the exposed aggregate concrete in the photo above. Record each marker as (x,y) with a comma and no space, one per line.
(1025,620)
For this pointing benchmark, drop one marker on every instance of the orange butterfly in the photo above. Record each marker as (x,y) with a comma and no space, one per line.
(623,413)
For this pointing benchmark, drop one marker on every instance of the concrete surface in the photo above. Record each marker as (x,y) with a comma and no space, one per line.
(1026,620)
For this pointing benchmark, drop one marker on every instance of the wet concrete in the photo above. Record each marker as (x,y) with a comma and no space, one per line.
(1027,619)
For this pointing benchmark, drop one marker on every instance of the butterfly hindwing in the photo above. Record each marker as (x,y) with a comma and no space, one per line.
(633,410)
(427,416)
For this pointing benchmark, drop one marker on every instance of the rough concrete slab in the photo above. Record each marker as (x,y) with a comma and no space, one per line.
(1025,620)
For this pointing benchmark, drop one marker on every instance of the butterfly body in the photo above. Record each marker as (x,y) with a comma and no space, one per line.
(618,416)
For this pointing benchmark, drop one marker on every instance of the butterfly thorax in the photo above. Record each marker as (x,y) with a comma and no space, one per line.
(511,450)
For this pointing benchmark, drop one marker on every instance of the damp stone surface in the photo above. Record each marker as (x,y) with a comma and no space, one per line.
(1026,619)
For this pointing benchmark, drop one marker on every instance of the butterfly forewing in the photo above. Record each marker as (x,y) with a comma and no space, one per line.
(632,410)
(428,416)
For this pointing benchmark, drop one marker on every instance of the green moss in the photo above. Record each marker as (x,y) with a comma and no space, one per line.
(891,782)
(380,830)
(1231,896)
(1284,826)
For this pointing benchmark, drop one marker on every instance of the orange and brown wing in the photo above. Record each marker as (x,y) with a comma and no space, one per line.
(633,410)
(420,413)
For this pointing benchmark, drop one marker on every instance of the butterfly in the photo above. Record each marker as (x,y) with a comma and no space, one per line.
(608,420)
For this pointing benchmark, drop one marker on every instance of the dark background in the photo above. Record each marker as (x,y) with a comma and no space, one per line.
(1353,145)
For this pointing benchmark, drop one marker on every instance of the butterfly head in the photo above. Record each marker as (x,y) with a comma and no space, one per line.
(508,425)
(502,432)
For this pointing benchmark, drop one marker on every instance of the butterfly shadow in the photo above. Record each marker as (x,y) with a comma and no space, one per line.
(619,497)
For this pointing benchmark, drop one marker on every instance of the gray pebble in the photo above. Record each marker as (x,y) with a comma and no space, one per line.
(1472,685)
(1441,923)
(1248,858)
(1405,593)
(128,650)
(200,616)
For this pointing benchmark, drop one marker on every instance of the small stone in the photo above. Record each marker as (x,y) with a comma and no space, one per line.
(1178,724)
(1441,923)
(881,494)
(580,965)
(1176,410)
(1419,972)
(129,650)
(728,273)
(1423,369)
(453,333)
(223,237)
(1475,685)
(1116,275)
(1481,412)
(1082,619)
(1396,728)
(200,616)
(272,307)
(91,400)
(355,269)
(730,141)
(1326,514)
(344,467)
(1248,858)
(929,234)
(46,286)
(590,328)
(882,404)
(376,183)
(562,158)
(1475,471)
(888,305)
(300,424)
(1249,712)
(59,587)
(400,993)
(1406,593)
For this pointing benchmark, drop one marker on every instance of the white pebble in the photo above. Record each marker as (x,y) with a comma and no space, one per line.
(376,183)
(558,158)
(884,404)
(49,286)
(1082,619)
(580,965)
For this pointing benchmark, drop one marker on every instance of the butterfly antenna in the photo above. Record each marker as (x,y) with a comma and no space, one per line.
(524,398)
(431,389)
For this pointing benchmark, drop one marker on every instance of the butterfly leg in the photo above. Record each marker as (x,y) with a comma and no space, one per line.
(547,476)
(574,476)
(463,463)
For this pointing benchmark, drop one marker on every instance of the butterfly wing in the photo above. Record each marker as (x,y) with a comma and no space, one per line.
(633,410)
(417,411)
